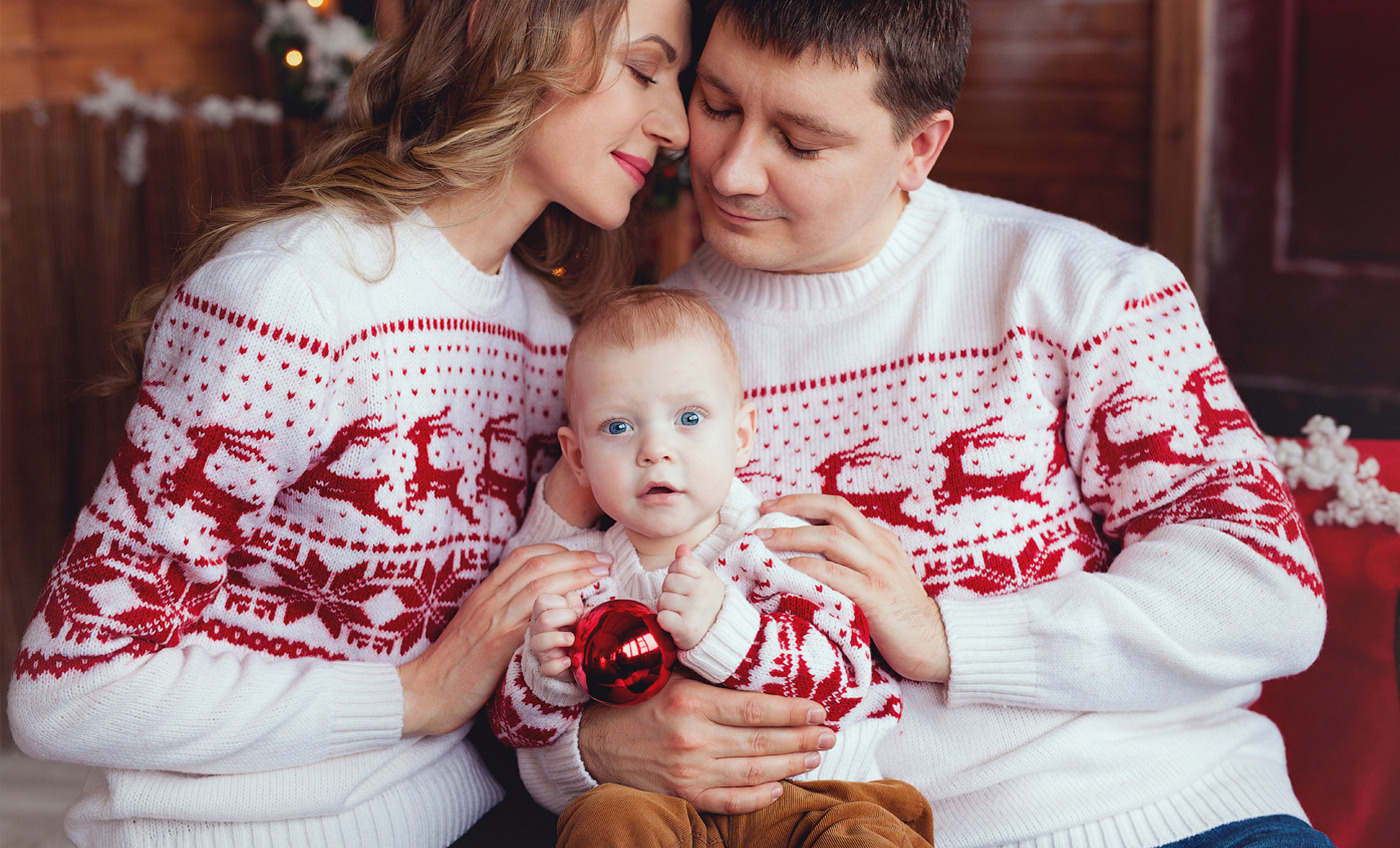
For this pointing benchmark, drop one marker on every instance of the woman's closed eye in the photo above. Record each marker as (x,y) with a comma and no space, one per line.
(642,75)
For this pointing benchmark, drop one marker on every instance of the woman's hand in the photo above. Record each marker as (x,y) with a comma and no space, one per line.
(867,563)
(449,682)
(723,750)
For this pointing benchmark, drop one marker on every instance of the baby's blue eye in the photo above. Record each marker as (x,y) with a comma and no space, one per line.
(616,428)
(689,419)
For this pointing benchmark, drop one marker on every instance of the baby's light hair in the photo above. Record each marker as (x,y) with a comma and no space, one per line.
(644,315)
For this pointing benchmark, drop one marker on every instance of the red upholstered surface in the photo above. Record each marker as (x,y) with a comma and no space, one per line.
(1341,718)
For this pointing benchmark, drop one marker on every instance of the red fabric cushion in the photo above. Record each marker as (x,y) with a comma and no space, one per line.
(1341,718)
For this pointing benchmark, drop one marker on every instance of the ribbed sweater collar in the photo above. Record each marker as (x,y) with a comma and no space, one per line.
(916,232)
(422,243)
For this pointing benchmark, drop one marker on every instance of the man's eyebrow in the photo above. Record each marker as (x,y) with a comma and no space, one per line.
(666,46)
(810,123)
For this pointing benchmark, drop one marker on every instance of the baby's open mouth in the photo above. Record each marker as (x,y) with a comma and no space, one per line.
(660,490)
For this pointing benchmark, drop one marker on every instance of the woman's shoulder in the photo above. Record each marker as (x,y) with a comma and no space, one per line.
(333,244)
(284,273)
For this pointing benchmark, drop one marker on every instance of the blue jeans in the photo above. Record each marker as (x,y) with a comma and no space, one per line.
(1264,832)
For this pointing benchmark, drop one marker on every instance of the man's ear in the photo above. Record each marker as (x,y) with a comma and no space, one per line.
(573,455)
(924,147)
(746,422)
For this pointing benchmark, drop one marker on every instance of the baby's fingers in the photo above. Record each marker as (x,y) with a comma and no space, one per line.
(550,642)
(555,666)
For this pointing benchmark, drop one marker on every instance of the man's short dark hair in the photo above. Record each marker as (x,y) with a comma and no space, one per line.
(919,47)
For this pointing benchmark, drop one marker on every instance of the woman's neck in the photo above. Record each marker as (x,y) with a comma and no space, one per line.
(480,230)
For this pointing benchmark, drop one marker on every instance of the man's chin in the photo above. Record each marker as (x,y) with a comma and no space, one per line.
(744,250)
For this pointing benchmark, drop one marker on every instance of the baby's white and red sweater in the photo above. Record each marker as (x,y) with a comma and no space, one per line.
(778,631)
(335,437)
(1038,411)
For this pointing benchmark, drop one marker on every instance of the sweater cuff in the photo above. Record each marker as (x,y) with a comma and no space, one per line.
(557,693)
(727,644)
(991,652)
(555,774)
(367,707)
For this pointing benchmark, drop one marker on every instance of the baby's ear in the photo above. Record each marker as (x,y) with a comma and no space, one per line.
(573,454)
(745,422)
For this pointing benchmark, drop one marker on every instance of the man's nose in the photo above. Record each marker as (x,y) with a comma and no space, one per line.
(739,169)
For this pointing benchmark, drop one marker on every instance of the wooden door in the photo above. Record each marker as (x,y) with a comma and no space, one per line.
(1303,225)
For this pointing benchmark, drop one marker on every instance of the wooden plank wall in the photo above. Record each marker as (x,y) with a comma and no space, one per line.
(189,48)
(79,241)
(1056,109)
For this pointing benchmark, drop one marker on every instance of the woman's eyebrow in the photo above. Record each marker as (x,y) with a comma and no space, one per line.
(666,47)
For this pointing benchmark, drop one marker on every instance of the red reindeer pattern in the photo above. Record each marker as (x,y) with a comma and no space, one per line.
(1116,457)
(429,481)
(190,483)
(491,481)
(887,507)
(1215,422)
(129,457)
(359,492)
(960,484)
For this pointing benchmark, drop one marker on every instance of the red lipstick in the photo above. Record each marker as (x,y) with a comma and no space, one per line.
(635,166)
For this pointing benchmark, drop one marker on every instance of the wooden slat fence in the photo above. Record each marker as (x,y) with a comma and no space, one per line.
(76,242)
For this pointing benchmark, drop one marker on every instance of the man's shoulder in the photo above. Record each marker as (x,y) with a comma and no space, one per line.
(1029,224)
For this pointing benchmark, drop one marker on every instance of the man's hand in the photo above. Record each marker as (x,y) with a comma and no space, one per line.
(691,596)
(866,563)
(723,750)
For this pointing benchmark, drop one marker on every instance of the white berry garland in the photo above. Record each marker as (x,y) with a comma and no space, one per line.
(1327,461)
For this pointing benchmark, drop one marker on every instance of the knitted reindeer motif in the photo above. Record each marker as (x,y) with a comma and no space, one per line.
(129,457)
(493,482)
(190,484)
(429,481)
(359,492)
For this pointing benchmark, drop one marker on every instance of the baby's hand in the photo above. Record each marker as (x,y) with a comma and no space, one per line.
(551,633)
(691,596)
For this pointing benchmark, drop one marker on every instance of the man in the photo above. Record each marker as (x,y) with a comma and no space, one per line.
(1064,530)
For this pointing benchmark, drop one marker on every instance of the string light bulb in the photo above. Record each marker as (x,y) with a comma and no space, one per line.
(294,58)
(315,4)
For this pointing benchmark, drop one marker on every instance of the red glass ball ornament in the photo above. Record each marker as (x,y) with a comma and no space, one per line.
(621,655)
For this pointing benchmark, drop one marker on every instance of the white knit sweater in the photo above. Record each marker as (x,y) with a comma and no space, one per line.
(318,470)
(1037,410)
(778,631)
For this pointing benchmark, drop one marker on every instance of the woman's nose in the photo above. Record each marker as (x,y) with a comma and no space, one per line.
(667,124)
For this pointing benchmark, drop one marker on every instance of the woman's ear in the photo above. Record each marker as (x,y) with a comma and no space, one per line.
(745,423)
(573,455)
(924,147)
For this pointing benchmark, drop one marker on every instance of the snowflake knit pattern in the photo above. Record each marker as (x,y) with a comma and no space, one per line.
(1037,410)
(327,455)
(778,632)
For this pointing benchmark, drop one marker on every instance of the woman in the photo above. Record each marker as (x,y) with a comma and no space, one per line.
(274,621)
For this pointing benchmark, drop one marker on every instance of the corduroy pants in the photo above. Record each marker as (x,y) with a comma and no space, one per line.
(826,813)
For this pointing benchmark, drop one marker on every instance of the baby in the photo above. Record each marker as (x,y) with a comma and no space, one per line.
(658,427)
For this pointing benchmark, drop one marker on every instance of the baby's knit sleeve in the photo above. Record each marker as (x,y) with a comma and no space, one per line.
(781,632)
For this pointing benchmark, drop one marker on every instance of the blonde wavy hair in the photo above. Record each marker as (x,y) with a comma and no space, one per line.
(446,105)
